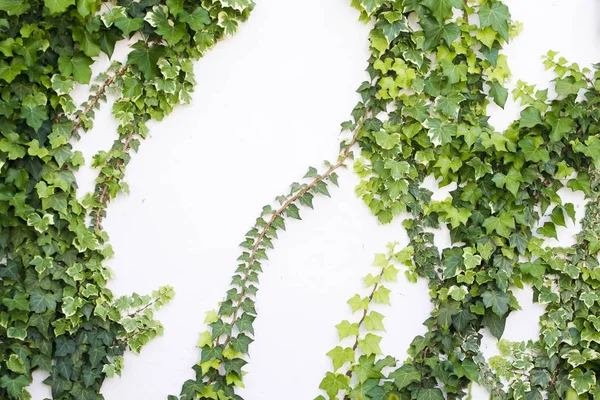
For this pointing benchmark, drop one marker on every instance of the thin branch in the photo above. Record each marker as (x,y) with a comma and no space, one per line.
(343,157)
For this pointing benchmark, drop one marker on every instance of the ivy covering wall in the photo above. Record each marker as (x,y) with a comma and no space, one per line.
(434,67)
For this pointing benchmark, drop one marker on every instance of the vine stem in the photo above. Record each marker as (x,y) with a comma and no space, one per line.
(104,191)
(361,321)
(96,99)
(341,160)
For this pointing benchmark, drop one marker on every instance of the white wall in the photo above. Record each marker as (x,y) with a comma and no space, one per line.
(268,104)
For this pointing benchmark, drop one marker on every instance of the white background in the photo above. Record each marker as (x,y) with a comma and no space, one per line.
(268,104)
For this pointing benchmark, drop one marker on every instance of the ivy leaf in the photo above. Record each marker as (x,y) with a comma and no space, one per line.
(536,269)
(14,7)
(512,180)
(40,302)
(381,295)
(387,141)
(345,329)
(77,66)
(88,43)
(533,149)
(146,60)
(58,6)
(548,230)
(34,116)
(499,94)
(197,20)
(530,117)
(436,31)
(495,324)
(449,105)
(371,5)
(440,132)
(15,386)
(442,9)
(560,126)
(128,25)
(495,15)
(239,5)
(171,31)
(333,383)
(430,394)
(9,72)
(404,376)
(502,225)
(228,24)
(568,85)
(497,300)
(581,381)
(374,321)
(370,344)
(15,364)
(175,6)
(339,356)
(292,211)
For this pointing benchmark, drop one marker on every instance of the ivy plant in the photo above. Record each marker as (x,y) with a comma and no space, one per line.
(56,313)
(434,68)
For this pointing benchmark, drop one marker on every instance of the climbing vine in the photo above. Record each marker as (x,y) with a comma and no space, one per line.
(434,68)
(56,313)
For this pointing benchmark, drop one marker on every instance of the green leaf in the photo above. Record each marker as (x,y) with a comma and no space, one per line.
(87,42)
(345,329)
(239,5)
(146,60)
(436,31)
(370,344)
(512,180)
(175,6)
(497,300)
(536,269)
(77,66)
(9,72)
(15,364)
(339,356)
(440,132)
(228,24)
(58,6)
(560,126)
(40,302)
(430,394)
(34,116)
(568,85)
(197,20)
(499,93)
(502,225)
(128,25)
(533,149)
(442,9)
(387,141)
(404,376)
(14,7)
(15,386)
(374,321)
(581,381)
(16,333)
(530,117)
(495,324)
(548,230)
(496,16)
(333,383)
(292,211)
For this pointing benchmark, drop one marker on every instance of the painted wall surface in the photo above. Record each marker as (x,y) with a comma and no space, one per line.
(268,104)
